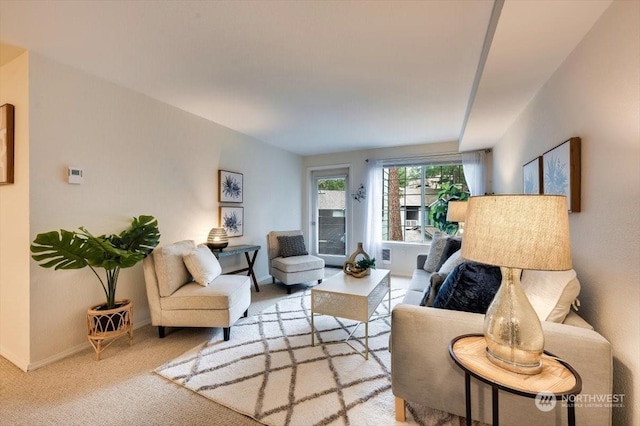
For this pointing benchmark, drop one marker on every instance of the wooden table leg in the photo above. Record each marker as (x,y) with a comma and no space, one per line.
(251,261)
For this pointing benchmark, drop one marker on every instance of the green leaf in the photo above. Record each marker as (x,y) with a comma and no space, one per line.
(62,250)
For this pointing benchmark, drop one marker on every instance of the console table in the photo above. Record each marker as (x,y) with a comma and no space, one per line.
(469,353)
(251,260)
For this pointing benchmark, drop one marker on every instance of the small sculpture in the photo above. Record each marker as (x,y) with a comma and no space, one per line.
(359,267)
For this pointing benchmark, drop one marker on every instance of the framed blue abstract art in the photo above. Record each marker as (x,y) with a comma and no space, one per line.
(230,187)
(232,220)
(561,172)
(532,177)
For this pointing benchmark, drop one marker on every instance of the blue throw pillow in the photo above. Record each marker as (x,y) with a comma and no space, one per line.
(470,287)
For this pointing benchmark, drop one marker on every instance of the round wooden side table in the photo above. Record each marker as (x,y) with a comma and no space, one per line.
(557,380)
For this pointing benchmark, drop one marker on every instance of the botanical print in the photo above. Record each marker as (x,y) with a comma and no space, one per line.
(4,156)
(230,187)
(531,177)
(556,172)
(231,220)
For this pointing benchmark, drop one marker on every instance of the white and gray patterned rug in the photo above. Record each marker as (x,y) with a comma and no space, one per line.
(270,372)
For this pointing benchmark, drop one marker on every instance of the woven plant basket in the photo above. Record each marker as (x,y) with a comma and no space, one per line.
(104,326)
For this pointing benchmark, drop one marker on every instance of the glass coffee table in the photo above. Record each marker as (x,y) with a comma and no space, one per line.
(352,298)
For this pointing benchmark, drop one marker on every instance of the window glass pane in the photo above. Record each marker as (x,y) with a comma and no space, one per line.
(332,198)
(409,195)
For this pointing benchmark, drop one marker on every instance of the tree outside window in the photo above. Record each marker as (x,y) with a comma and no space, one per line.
(411,208)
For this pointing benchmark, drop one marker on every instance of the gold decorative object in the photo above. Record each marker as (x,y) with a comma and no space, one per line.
(350,266)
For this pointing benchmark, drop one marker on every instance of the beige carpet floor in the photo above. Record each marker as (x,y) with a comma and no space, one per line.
(121,389)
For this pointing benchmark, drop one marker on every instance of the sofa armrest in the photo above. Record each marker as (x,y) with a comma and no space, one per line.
(422,370)
(420,259)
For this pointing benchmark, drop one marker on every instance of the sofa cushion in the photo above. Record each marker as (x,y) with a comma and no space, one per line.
(170,268)
(297,263)
(292,246)
(442,246)
(202,264)
(551,293)
(419,280)
(435,282)
(470,287)
(454,260)
(222,293)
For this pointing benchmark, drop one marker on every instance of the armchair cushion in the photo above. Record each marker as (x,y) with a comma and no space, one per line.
(227,291)
(297,263)
(292,246)
(202,264)
(170,268)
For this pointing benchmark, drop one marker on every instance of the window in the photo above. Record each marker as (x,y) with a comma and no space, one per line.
(408,194)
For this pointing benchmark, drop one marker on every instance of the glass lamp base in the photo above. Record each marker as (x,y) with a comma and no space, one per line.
(512,329)
(516,367)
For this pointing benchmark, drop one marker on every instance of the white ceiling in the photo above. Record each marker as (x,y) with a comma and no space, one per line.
(316,77)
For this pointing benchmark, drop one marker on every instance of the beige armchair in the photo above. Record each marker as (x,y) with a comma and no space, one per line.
(202,297)
(289,260)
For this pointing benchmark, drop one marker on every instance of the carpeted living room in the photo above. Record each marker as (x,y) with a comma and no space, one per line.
(347,127)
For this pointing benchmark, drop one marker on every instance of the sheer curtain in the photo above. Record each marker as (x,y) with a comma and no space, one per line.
(373,224)
(473,164)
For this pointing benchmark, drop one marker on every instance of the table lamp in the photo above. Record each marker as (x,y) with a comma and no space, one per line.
(217,239)
(516,232)
(456,212)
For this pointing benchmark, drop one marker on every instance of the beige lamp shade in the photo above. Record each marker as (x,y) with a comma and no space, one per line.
(217,238)
(518,231)
(456,211)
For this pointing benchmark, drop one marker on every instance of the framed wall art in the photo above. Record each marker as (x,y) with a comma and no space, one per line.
(6,144)
(532,177)
(232,220)
(230,188)
(561,172)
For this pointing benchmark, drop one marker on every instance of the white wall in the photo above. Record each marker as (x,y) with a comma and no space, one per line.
(595,95)
(140,156)
(403,255)
(14,221)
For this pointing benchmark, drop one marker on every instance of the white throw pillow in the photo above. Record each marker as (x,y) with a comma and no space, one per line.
(203,265)
(551,293)
(449,265)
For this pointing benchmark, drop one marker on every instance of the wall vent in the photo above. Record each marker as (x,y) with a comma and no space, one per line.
(386,255)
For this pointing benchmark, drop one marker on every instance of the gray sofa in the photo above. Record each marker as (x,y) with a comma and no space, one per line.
(423,372)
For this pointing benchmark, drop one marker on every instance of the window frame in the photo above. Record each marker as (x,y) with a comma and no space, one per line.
(424,222)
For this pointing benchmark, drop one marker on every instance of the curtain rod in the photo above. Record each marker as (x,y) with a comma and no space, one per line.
(441,154)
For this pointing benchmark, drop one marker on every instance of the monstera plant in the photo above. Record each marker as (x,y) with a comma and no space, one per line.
(78,249)
(438,213)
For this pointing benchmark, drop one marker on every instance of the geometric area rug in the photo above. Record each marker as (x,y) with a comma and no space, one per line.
(269,371)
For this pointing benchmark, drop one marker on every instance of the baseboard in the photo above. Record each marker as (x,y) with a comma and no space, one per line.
(78,348)
(14,359)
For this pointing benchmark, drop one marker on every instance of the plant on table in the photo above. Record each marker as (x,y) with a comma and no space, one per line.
(366,263)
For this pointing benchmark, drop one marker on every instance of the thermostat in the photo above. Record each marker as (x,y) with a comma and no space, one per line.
(75,175)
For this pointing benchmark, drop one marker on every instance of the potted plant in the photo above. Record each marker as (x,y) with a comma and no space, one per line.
(438,211)
(78,249)
(359,263)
